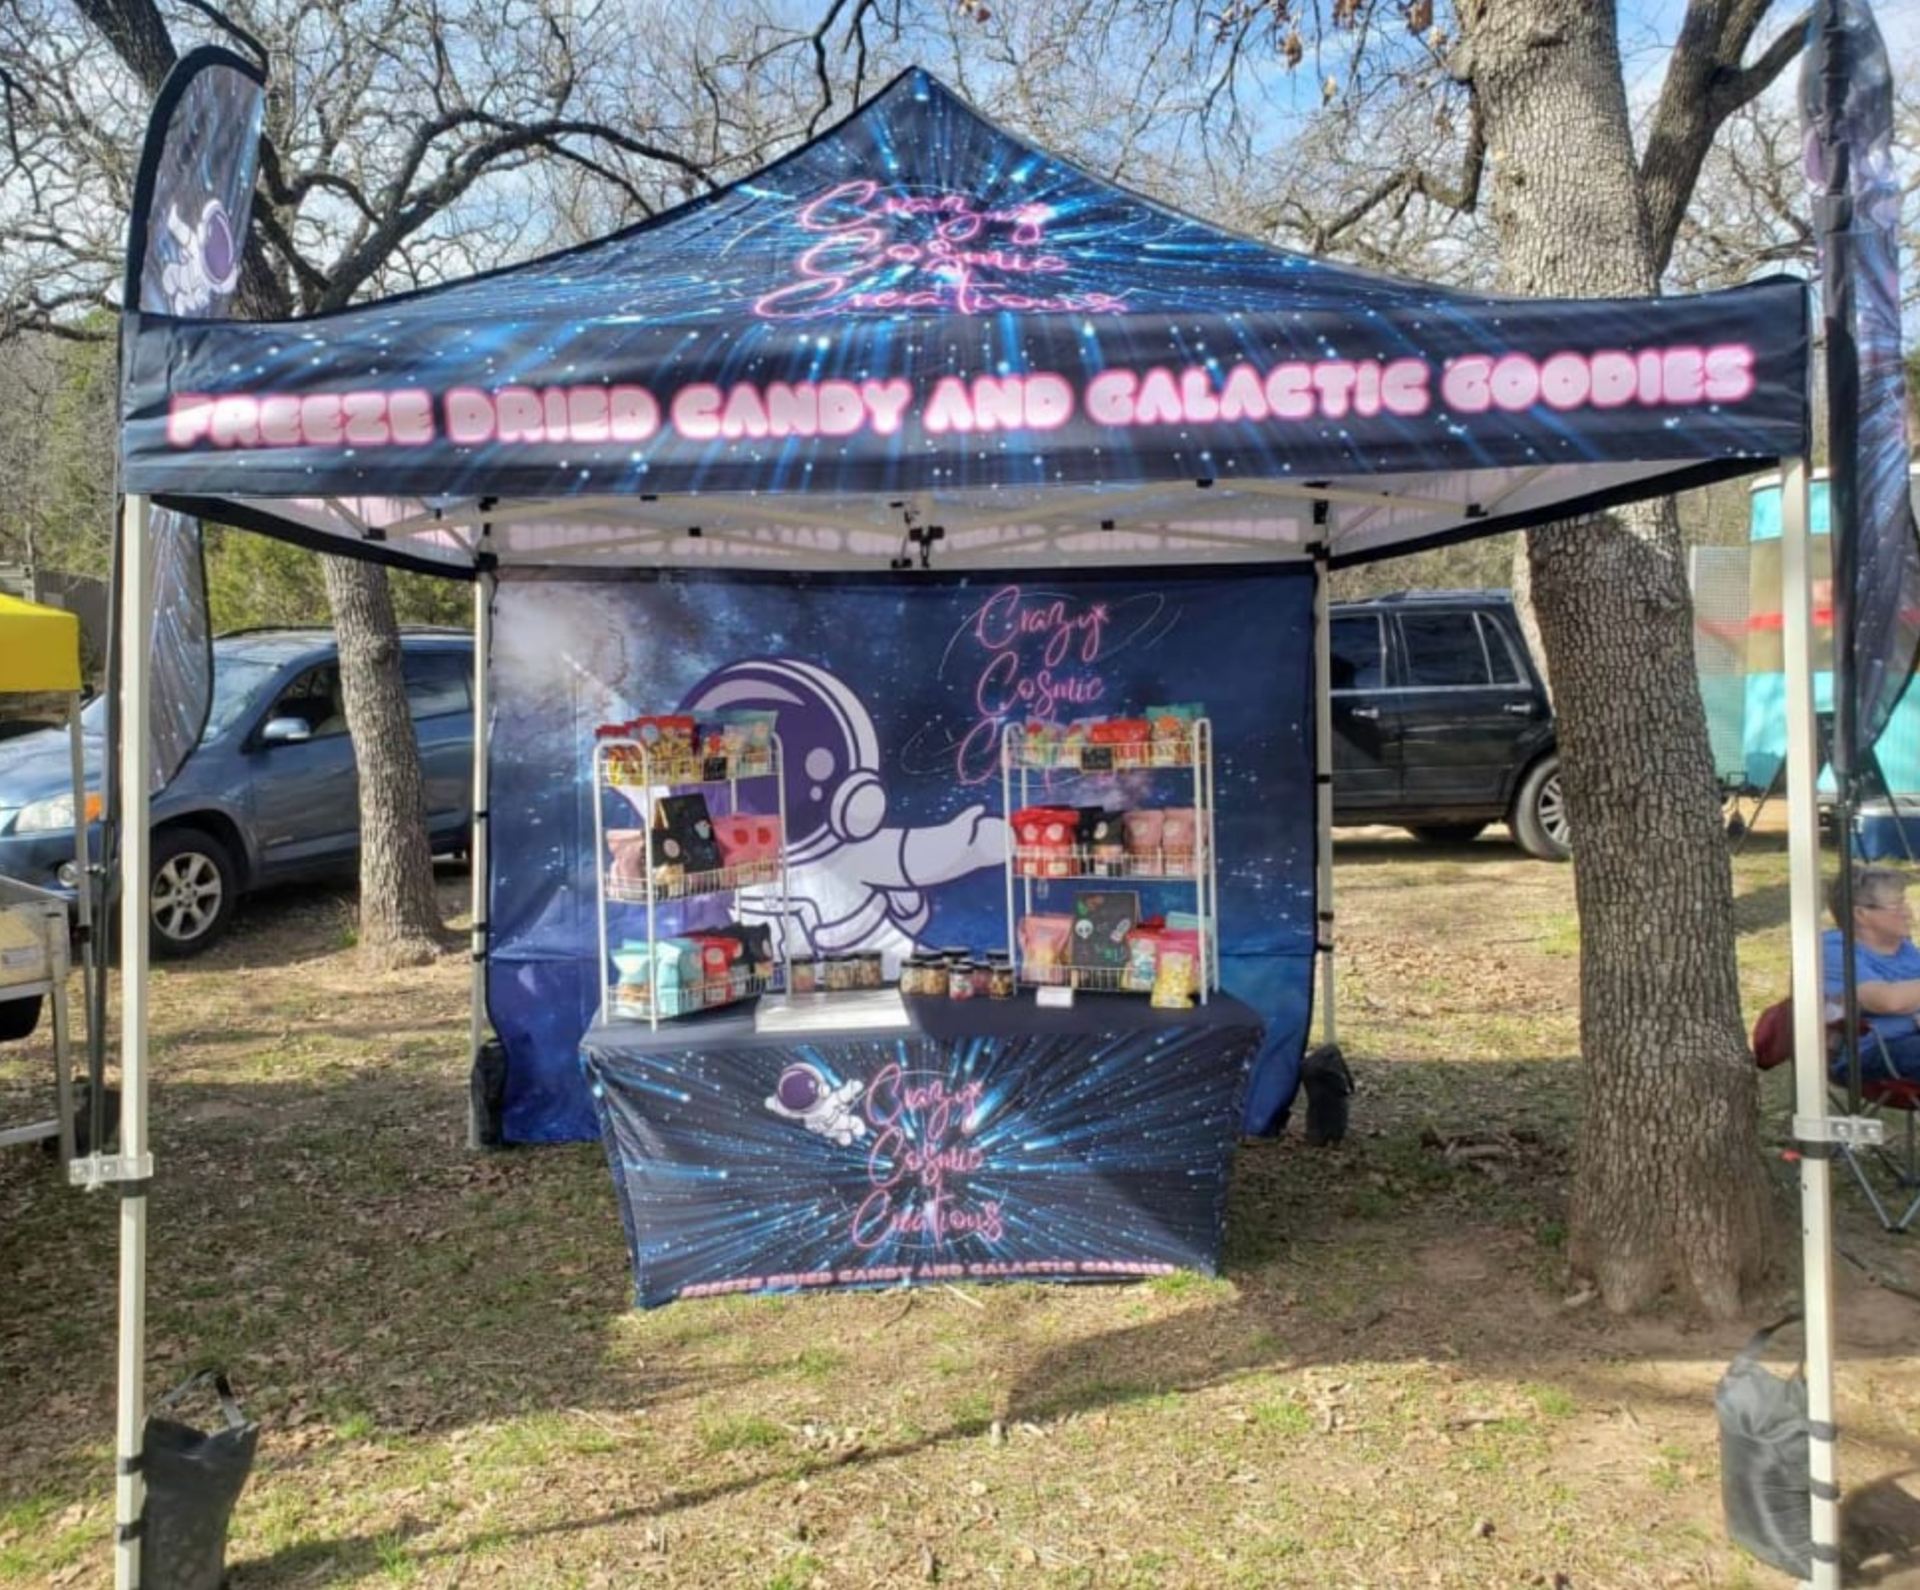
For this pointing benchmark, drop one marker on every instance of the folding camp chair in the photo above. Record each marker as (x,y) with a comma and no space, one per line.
(1773,1046)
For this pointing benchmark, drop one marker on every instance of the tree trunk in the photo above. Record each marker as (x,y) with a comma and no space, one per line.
(1669,1185)
(399,915)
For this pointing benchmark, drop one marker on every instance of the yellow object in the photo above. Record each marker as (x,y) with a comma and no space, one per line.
(39,647)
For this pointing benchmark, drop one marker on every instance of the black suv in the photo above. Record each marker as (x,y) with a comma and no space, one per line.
(1440,721)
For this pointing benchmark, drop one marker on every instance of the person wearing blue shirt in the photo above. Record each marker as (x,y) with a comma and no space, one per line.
(1886,970)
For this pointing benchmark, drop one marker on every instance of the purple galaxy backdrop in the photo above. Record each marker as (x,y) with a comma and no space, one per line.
(891,693)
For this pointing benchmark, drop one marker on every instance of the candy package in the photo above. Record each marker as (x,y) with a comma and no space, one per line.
(1143,831)
(746,838)
(1177,841)
(1101,842)
(752,730)
(1043,948)
(668,736)
(1143,951)
(1174,980)
(1043,838)
(1173,732)
(688,828)
(669,973)
(627,848)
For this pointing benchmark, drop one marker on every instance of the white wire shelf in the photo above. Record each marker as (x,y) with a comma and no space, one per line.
(1089,979)
(634,1001)
(627,766)
(1086,758)
(1082,861)
(675,884)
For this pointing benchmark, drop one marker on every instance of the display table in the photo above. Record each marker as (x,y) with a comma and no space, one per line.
(989,1140)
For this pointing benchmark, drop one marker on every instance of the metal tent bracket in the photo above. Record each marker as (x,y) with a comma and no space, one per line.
(1853,1131)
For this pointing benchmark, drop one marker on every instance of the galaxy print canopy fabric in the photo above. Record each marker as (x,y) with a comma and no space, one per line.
(192,202)
(891,696)
(918,321)
(1846,90)
(1096,1154)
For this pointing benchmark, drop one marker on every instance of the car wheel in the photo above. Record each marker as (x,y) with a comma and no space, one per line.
(1445,833)
(1539,816)
(193,893)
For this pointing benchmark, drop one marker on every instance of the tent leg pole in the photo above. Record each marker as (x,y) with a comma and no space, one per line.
(136,624)
(477,845)
(1323,790)
(1809,1037)
(83,914)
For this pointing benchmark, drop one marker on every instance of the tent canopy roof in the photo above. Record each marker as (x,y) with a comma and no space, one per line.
(39,647)
(918,339)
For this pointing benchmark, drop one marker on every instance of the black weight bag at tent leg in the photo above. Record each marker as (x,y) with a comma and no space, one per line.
(193,1478)
(1328,1085)
(1763,1458)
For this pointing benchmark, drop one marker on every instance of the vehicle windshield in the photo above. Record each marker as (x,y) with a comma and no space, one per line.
(237,682)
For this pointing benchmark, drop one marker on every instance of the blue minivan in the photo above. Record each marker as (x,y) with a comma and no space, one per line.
(271,792)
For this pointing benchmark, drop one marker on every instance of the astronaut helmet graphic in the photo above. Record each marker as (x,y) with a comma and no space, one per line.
(804,1094)
(207,259)
(801,1088)
(830,752)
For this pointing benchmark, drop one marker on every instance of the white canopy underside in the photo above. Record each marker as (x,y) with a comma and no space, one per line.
(1000,529)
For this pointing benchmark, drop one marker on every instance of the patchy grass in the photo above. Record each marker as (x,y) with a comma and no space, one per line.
(1387,1386)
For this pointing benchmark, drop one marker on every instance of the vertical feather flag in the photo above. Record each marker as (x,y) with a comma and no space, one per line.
(1846,94)
(191,208)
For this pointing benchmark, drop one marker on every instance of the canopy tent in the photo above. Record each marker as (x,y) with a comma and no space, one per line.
(917,342)
(916,322)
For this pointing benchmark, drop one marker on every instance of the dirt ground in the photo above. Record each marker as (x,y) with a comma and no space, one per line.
(1390,1383)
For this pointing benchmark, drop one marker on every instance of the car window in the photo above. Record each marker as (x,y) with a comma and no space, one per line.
(237,682)
(1443,649)
(314,696)
(1502,665)
(436,682)
(1357,654)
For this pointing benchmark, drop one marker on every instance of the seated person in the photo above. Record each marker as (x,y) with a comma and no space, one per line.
(1886,972)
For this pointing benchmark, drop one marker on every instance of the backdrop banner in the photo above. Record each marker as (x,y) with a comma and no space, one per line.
(891,694)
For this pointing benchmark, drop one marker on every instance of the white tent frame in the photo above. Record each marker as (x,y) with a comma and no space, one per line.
(133,1168)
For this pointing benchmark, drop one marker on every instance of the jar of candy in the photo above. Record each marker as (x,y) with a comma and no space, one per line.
(870,971)
(982,978)
(1000,977)
(960,980)
(803,973)
(837,974)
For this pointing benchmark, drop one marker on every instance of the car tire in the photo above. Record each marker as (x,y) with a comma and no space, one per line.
(1445,833)
(194,889)
(1539,815)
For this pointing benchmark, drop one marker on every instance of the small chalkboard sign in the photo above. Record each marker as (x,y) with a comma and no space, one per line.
(1101,922)
(716,769)
(1096,759)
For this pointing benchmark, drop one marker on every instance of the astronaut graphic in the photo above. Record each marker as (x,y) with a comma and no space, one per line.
(803,1094)
(208,261)
(854,880)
